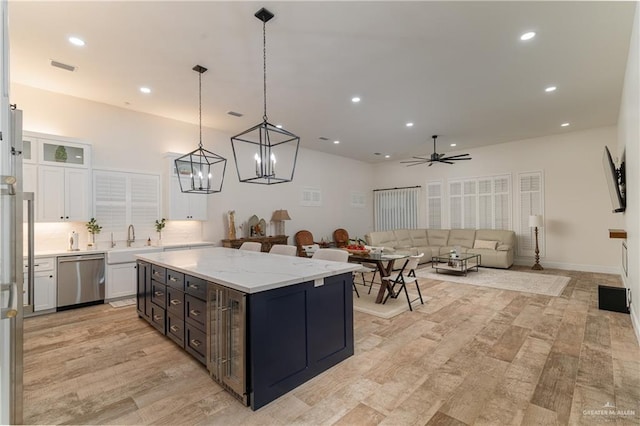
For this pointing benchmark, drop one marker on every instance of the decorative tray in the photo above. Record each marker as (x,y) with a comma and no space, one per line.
(357,251)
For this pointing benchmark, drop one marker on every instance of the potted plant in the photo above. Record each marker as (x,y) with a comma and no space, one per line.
(93,228)
(61,154)
(160,224)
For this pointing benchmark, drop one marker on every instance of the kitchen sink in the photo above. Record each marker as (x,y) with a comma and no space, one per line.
(128,254)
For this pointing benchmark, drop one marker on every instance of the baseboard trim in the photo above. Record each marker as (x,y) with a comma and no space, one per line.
(571,266)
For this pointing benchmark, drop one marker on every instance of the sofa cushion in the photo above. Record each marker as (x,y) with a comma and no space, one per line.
(504,237)
(418,237)
(402,238)
(503,247)
(437,237)
(461,237)
(485,244)
(381,239)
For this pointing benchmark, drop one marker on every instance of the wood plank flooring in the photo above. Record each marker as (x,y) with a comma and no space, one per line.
(469,356)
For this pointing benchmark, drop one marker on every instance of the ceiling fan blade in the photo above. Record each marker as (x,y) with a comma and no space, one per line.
(456,159)
(459,156)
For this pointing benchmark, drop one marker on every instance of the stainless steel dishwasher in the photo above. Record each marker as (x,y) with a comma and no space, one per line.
(80,280)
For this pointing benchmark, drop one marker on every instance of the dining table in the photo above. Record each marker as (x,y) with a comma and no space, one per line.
(384,263)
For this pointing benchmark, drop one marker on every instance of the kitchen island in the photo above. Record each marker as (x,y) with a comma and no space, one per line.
(261,323)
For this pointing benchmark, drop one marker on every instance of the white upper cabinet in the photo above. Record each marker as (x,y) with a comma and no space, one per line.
(180,205)
(57,169)
(63,194)
(184,206)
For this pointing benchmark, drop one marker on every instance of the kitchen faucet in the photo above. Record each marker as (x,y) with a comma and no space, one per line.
(131,235)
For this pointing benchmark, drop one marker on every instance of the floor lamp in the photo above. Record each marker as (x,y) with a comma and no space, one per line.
(535,221)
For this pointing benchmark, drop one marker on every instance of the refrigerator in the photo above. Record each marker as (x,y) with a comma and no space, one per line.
(16,296)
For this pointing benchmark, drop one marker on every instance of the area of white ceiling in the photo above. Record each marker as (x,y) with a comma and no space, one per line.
(456,69)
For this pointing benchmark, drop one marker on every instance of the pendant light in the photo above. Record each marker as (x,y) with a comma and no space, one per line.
(265,154)
(200,171)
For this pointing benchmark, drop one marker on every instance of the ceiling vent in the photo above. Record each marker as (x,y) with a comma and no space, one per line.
(62,66)
(235,114)
(322,138)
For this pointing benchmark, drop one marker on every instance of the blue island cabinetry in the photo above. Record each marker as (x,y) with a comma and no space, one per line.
(259,345)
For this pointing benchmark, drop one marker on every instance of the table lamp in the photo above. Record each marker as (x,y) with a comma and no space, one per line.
(279,216)
(535,221)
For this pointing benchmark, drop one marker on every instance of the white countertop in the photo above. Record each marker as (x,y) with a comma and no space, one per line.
(247,271)
(47,253)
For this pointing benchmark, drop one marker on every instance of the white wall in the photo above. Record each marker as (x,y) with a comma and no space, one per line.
(629,139)
(131,141)
(577,206)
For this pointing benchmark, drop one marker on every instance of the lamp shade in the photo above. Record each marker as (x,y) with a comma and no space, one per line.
(535,221)
(279,215)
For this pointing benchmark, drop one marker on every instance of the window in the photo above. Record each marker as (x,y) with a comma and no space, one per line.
(396,208)
(531,201)
(480,203)
(434,205)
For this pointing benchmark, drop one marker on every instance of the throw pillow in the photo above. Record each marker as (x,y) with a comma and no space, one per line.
(485,244)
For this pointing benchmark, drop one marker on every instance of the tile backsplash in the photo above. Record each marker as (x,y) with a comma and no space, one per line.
(55,236)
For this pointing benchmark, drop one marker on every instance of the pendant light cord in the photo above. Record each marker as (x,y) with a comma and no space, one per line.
(264,67)
(200,104)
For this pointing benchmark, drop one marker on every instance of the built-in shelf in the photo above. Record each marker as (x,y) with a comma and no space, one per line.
(618,233)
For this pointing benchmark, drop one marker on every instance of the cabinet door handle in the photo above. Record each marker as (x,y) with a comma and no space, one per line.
(195,343)
(194,313)
(175,302)
(172,279)
(158,293)
(174,328)
(193,286)
(157,317)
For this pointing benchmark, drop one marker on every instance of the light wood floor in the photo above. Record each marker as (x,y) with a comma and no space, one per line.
(470,355)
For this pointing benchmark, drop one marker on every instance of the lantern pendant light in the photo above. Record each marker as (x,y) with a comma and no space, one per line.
(200,171)
(257,150)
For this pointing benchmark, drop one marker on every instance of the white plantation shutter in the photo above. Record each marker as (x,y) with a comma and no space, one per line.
(480,203)
(531,197)
(122,198)
(434,205)
(396,208)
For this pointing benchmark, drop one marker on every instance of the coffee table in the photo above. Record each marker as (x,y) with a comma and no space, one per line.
(459,265)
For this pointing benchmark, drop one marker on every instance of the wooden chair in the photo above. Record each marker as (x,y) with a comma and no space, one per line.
(402,278)
(303,238)
(283,249)
(335,255)
(251,246)
(341,237)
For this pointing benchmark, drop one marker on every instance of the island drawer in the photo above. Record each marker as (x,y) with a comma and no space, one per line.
(158,318)
(175,303)
(195,311)
(175,329)
(159,294)
(159,274)
(175,279)
(195,342)
(196,287)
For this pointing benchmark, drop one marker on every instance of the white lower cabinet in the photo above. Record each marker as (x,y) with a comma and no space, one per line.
(44,284)
(121,280)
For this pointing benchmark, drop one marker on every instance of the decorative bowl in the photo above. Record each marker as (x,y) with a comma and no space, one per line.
(357,251)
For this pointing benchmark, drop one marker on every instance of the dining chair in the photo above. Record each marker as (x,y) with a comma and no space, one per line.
(335,255)
(341,237)
(283,249)
(402,278)
(303,238)
(251,246)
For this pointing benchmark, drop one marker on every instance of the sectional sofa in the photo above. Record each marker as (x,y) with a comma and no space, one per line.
(495,246)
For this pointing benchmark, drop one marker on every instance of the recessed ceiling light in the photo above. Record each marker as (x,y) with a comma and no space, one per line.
(409,124)
(355,99)
(336,142)
(527,36)
(279,126)
(387,156)
(550,89)
(453,144)
(76,41)
(565,125)
(145,90)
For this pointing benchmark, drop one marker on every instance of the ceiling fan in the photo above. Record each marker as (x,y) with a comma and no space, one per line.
(436,158)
